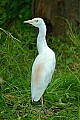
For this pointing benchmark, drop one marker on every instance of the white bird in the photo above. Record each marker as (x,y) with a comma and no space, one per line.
(44,64)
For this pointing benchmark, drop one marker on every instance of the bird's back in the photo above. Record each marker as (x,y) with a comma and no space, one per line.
(42,70)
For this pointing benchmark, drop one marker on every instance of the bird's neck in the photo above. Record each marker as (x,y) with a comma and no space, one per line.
(41,39)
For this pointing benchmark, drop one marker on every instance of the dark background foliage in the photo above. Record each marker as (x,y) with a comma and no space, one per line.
(14,12)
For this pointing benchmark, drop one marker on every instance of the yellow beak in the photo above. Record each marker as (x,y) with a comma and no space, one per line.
(30,21)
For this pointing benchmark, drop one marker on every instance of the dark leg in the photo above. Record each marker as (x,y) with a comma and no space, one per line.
(42,100)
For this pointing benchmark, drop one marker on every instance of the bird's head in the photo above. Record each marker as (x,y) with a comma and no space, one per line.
(37,22)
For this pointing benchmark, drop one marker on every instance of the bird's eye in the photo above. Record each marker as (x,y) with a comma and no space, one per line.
(36,20)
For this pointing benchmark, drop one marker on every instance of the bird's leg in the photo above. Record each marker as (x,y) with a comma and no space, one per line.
(44,110)
(42,100)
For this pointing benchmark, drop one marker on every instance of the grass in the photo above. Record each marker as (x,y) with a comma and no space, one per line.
(62,97)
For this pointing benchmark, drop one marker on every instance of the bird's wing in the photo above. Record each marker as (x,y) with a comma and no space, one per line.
(41,76)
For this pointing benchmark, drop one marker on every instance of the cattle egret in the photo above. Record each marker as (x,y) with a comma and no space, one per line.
(44,64)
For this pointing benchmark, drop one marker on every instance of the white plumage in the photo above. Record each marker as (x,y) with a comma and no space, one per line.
(44,64)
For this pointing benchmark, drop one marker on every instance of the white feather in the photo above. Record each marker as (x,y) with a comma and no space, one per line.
(39,84)
(44,64)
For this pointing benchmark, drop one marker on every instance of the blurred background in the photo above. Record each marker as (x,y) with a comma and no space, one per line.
(18,50)
(55,13)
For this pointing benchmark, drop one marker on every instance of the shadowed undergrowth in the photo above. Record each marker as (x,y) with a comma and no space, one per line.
(62,97)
